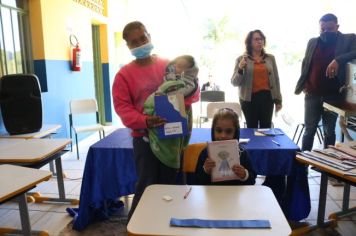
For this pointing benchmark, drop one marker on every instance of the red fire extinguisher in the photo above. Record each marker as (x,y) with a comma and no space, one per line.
(76,58)
(76,61)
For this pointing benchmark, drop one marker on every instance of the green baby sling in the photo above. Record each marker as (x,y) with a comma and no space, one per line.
(168,151)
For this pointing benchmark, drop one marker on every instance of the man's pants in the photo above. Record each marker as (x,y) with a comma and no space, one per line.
(313,113)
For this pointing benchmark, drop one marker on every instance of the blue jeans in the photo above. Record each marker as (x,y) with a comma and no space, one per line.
(313,113)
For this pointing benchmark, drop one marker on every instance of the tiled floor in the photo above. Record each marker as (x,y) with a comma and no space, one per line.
(53,217)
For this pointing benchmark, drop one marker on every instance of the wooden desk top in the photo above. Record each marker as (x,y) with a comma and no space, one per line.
(30,150)
(43,132)
(17,179)
(153,213)
(326,168)
(7,142)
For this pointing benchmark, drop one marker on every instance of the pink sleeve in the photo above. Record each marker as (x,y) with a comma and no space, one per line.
(124,106)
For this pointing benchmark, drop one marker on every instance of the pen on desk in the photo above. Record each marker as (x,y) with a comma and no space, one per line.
(187,193)
(277,143)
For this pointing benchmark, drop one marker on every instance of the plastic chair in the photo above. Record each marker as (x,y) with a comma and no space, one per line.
(210,96)
(80,107)
(319,132)
(213,107)
(300,128)
(190,158)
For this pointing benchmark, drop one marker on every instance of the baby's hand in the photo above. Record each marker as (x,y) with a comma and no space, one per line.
(209,164)
(239,170)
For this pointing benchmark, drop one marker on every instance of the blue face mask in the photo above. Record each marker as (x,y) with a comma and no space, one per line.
(142,51)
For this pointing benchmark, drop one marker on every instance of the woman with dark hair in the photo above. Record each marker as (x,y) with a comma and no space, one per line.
(225,126)
(256,76)
(133,83)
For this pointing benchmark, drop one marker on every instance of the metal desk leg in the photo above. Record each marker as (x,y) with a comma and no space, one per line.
(51,168)
(322,199)
(25,217)
(345,211)
(61,190)
(25,221)
(321,208)
(346,197)
(60,182)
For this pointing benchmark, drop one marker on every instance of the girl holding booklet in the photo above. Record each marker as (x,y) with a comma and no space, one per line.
(225,126)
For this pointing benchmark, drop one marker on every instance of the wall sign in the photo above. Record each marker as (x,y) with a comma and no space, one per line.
(94,5)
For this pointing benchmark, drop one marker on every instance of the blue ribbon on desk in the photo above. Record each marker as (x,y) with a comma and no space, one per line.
(199,223)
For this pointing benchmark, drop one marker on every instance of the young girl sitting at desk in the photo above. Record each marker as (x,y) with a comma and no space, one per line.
(225,127)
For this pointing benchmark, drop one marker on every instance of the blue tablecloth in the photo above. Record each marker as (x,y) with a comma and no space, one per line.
(267,157)
(110,171)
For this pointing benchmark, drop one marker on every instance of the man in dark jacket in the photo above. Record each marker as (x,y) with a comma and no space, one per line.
(323,74)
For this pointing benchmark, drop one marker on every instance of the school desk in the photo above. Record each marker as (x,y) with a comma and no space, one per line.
(36,153)
(110,173)
(154,212)
(15,181)
(45,131)
(329,171)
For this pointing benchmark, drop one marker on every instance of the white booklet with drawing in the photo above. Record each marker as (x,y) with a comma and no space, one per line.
(225,154)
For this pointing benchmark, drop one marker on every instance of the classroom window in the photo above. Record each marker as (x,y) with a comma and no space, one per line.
(14,38)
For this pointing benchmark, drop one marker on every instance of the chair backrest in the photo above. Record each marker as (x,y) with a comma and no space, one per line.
(213,107)
(21,104)
(191,155)
(83,106)
(288,119)
(212,96)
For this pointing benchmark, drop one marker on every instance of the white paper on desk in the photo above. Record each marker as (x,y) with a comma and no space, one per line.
(332,162)
(350,163)
(270,132)
(350,173)
(348,148)
(257,133)
(244,140)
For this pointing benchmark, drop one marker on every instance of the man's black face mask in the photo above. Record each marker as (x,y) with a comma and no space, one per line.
(328,37)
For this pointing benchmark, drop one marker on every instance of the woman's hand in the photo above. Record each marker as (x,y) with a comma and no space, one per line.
(154,121)
(209,164)
(277,107)
(239,170)
(243,63)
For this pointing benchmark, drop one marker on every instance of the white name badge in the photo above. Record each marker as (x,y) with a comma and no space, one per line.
(173,128)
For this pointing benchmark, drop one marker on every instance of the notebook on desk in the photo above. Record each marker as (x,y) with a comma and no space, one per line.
(270,132)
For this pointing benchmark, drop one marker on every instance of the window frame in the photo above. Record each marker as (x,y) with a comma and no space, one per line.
(24,36)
